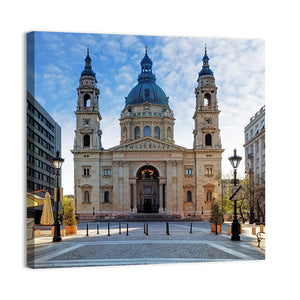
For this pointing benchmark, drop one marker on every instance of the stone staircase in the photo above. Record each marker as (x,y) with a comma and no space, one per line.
(148,217)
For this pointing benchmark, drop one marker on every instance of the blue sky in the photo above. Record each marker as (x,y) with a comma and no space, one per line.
(238,66)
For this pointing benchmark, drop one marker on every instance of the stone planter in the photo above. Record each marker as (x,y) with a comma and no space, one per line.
(71,229)
(213,228)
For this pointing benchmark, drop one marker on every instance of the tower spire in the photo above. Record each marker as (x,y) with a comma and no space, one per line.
(88,66)
(205,67)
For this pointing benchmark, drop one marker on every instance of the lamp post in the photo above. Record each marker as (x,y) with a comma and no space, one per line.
(235,227)
(57,162)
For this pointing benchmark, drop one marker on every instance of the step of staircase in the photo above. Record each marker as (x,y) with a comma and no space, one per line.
(149,217)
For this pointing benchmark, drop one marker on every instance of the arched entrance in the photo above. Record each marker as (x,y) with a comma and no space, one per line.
(147,190)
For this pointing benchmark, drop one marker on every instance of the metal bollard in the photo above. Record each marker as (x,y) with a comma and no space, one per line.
(97,228)
(146,228)
(108,229)
(87,229)
(191,229)
(167,229)
(127,229)
(119,228)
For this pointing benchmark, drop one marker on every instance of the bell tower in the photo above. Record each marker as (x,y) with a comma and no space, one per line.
(206,116)
(88,117)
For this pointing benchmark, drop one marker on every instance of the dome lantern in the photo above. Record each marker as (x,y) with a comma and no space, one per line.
(88,66)
(205,67)
(146,90)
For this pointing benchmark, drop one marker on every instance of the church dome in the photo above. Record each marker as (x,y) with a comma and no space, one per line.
(146,90)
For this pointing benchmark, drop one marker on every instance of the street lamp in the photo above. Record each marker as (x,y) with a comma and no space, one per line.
(57,162)
(235,227)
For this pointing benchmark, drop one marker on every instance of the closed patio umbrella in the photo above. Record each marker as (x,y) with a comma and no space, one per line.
(47,215)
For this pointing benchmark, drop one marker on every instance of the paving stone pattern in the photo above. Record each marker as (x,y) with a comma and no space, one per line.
(137,248)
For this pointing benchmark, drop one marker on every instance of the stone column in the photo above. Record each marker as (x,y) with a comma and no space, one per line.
(134,198)
(115,180)
(161,209)
(169,187)
(126,187)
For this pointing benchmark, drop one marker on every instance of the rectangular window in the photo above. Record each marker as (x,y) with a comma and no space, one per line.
(86,197)
(188,171)
(86,171)
(106,172)
(208,171)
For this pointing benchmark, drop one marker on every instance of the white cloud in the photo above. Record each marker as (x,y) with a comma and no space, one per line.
(124,75)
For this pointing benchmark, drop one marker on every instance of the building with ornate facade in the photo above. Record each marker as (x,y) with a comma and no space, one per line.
(147,173)
(255,162)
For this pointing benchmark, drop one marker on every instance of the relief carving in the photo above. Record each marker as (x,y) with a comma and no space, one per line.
(145,146)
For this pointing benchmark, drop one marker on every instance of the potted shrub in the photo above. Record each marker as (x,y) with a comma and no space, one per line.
(69,216)
(216,218)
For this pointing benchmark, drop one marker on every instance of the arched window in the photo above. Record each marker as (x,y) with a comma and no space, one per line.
(157,132)
(207,99)
(208,140)
(86,197)
(87,100)
(137,132)
(86,140)
(147,131)
(189,196)
(106,196)
(208,196)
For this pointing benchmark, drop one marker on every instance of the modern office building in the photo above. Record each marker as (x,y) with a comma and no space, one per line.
(43,141)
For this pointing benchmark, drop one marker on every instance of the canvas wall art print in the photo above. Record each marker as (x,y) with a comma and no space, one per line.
(144,149)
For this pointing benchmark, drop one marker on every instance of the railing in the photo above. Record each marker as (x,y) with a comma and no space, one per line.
(207,107)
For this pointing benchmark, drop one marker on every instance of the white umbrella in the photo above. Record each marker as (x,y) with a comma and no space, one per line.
(47,215)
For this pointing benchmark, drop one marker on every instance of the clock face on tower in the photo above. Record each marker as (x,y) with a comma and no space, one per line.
(208,120)
(86,121)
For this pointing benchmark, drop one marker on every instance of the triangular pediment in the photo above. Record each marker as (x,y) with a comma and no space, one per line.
(86,129)
(147,144)
(208,128)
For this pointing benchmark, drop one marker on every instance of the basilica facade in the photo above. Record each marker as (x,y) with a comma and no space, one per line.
(147,173)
